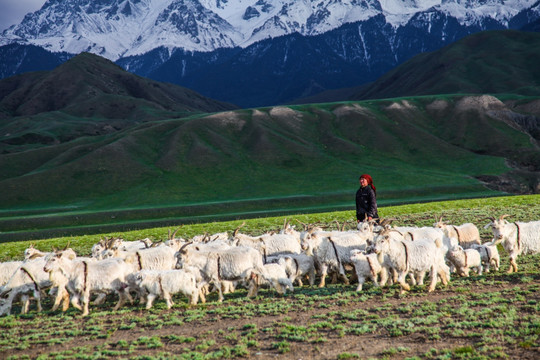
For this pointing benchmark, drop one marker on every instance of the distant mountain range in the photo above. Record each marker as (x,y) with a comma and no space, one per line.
(254,52)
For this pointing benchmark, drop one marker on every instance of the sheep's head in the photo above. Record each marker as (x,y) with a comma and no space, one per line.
(440,224)
(499,227)
(381,242)
(53,261)
(357,255)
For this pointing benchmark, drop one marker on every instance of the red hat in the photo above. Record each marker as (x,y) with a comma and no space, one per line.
(369,181)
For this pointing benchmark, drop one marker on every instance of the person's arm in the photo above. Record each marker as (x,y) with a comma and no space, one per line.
(372,204)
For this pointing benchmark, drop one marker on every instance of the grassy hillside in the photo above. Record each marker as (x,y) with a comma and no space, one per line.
(87,96)
(490,62)
(272,161)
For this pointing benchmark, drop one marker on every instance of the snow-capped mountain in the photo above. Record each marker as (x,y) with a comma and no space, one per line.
(253,52)
(120,28)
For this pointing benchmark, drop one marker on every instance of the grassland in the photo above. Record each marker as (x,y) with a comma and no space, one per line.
(493,316)
(267,161)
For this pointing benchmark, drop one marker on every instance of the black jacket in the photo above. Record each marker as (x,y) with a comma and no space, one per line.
(366,203)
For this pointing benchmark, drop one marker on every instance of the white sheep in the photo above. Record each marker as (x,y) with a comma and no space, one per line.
(26,281)
(298,266)
(153,258)
(165,283)
(86,277)
(417,257)
(234,264)
(108,247)
(465,259)
(466,234)
(489,254)
(270,244)
(368,267)
(333,252)
(276,277)
(517,238)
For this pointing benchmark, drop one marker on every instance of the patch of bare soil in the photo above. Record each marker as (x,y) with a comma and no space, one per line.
(218,329)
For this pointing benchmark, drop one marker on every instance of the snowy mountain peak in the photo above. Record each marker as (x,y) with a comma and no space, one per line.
(119,28)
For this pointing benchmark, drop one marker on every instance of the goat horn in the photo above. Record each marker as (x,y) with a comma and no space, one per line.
(235,232)
(182,251)
(174,233)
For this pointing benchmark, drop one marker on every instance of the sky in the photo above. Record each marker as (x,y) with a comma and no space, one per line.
(13,11)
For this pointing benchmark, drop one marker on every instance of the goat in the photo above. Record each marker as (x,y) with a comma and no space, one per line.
(465,259)
(466,234)
(418,257)
(234,264)
(517,238)
(164,283)
(85,277)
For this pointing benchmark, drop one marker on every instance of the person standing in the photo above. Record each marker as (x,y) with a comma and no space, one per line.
(366,199)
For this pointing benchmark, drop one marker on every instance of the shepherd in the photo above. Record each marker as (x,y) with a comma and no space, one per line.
(366,199)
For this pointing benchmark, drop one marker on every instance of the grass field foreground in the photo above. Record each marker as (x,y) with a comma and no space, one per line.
(493,316)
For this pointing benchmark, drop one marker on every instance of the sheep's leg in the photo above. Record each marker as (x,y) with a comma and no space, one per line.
(374,279)
(85,299)
(201,292)
(150,300)
(479,270)
(65,301)
(75,302)
(194,297)
(37,295)
(60,297)
(434,277)
(324,271)
(278,287)
(100,299)
(343,276)
(402,282)
(421,277)
(384,276)
(442,275)
(217,285)
(25,304)
(513,265)
(168,299)
(122,298)
(311,277)
(253,287)
(360,283)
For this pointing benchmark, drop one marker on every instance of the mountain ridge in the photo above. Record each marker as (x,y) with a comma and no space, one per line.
(472,65)
(351,52)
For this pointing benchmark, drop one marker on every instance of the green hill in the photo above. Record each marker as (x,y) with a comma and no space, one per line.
(490,62)
(275,160)
(86,96)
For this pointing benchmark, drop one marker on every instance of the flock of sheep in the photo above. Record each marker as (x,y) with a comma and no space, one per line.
(221,262)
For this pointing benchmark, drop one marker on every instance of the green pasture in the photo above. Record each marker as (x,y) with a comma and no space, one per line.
(492,316)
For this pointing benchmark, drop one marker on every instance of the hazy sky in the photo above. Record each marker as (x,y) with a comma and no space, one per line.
(13,11)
